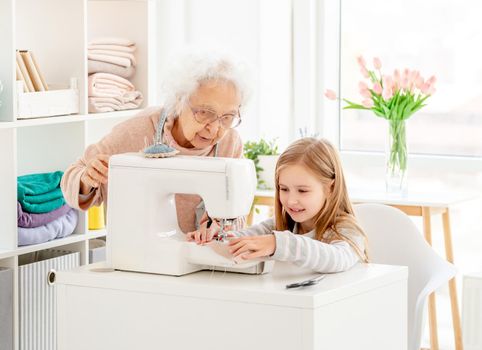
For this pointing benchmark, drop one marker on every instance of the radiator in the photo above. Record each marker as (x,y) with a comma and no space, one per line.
(472,312)
(37,303)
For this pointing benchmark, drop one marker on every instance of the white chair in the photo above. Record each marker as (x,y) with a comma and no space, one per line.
(393,239)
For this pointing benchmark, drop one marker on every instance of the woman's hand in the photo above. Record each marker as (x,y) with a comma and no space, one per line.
(95,173)
(206,234)
(253,246)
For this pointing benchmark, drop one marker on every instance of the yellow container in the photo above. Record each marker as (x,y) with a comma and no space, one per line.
(96,217)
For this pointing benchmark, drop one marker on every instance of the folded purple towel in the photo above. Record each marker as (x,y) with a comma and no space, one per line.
(29,220)
(59,228)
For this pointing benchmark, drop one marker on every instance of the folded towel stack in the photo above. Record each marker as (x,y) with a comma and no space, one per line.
(112,55)
(42,214)
(111,61)
(109,92)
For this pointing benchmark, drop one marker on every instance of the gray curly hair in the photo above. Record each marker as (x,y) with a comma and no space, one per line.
(192,66)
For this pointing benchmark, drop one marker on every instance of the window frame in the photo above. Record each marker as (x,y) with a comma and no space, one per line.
(329,17)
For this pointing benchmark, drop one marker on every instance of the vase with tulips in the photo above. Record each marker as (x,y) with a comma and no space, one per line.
(394,97)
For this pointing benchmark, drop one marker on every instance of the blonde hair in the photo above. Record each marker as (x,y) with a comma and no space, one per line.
(322,159)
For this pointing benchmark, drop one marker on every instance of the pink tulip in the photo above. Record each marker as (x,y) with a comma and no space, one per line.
(406,73)
(412,77)
(387,93)
(377,63)
(364,72)
(377,88)
(363,88)
(428,89)
(368,103)
(396,76)
(330,94)
(362,85)
(389,84)
(432,80)
(419,82)
(366,93)
(387,81)
(395,88)
(361,62)
(424,88)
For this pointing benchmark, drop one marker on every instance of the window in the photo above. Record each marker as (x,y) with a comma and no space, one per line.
(259,33)
(437,37)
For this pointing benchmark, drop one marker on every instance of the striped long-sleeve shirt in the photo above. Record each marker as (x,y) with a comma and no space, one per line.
(305,251)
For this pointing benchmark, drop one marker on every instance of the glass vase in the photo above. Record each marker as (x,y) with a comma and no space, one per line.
(396,158)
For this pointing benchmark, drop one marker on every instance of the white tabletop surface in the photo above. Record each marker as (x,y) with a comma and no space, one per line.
(263,289)
(427,199)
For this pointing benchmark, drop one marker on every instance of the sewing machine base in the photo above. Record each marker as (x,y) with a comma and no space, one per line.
(174,256)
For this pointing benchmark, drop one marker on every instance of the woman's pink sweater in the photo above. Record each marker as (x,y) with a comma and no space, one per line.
(132,136)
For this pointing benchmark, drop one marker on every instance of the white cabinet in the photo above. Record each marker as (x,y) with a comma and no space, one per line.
(363,308)
(58,31)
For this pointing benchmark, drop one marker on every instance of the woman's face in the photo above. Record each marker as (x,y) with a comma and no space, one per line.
(217,96)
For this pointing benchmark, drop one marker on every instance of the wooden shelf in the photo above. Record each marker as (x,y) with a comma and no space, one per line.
(7,125)
(69,119)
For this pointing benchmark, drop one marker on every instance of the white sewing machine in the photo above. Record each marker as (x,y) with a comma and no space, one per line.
(144,234)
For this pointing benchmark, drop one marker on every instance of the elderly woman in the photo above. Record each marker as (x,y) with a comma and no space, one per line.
(202,97)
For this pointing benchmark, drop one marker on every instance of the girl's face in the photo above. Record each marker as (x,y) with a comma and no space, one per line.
(302,195)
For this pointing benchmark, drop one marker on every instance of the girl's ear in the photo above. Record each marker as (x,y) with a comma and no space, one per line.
(332,185)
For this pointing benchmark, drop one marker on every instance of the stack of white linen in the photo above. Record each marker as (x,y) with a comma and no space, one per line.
(110,62)
(109,92)
(112,55)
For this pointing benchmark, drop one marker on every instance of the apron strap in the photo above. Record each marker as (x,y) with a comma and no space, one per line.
(160,127)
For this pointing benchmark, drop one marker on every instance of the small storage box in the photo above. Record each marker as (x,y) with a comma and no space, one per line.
(37,297)
(6,308)
(47,103)
(96,250)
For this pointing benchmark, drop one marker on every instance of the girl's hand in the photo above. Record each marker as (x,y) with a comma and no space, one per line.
(205,234)
(96,173)
(253,247)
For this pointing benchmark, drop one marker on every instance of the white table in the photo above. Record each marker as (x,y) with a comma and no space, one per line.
(363,308)
(414,204)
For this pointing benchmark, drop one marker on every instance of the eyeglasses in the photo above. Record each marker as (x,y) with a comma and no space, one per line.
(207,116)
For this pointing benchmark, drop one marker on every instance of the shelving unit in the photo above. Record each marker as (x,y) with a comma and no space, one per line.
(58,32)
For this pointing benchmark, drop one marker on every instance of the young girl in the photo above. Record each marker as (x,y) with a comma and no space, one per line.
(314,225)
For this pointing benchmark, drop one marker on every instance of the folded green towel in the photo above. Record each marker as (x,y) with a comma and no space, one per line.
(42,208)
(40,193)
(45,197)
